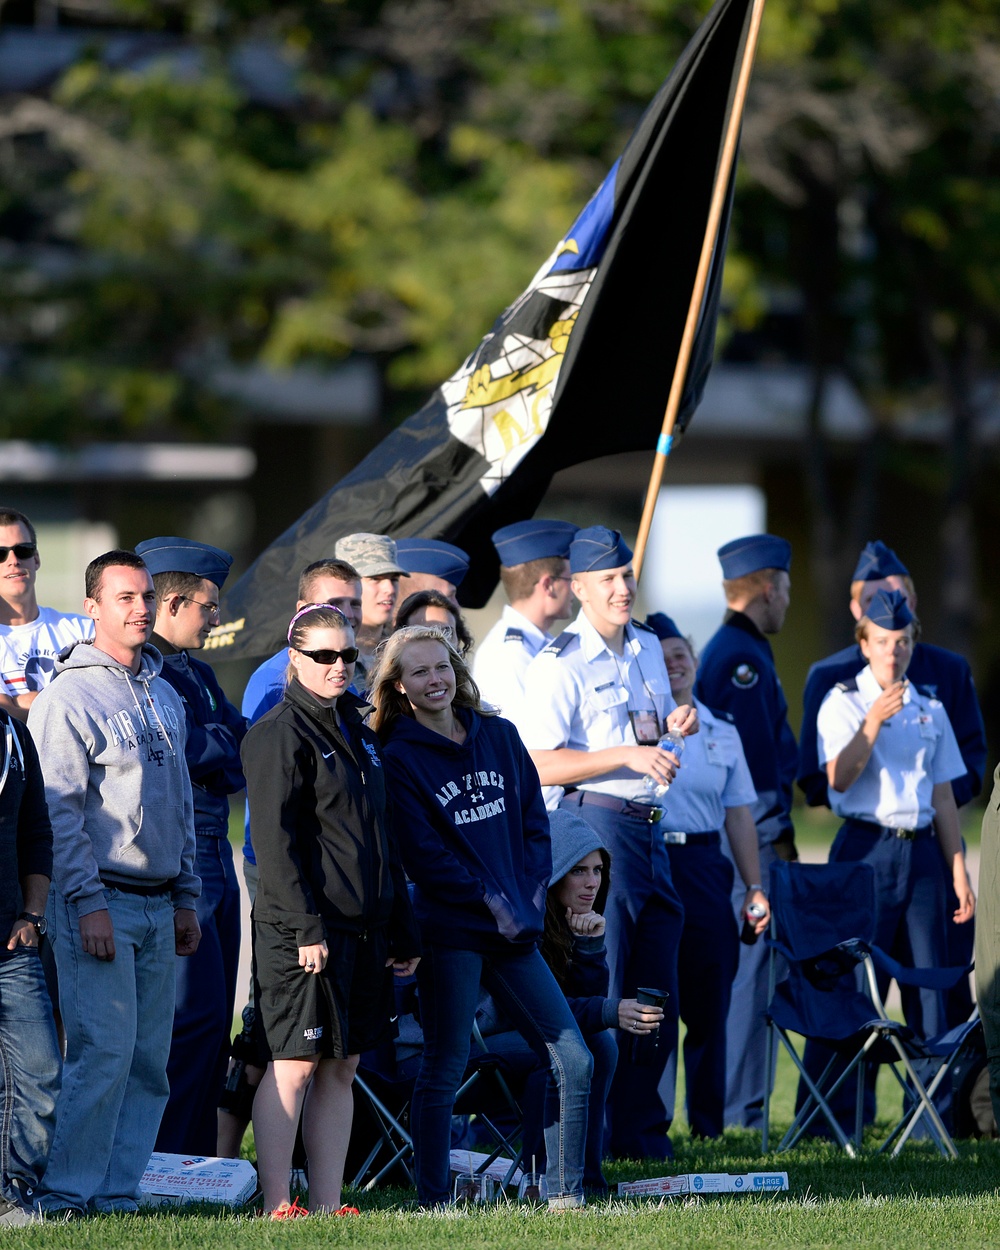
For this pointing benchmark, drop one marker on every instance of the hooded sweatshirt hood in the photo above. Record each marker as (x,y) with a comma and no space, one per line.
(572,840)
(111,743)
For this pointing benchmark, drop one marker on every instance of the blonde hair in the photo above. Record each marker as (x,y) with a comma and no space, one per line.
(750,585)
(389,703)
(858,586)
(313,616)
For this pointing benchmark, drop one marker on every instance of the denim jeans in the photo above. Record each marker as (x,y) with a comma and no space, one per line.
(538,1079)
(31,1065)
(117,1015)
(526,991)
(203,1011)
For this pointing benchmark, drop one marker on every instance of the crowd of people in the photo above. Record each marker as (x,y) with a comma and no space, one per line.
(557,837)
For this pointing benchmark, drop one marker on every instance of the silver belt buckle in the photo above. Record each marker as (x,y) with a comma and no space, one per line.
(675,837)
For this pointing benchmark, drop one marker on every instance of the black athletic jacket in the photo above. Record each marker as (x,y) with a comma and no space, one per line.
(317,809)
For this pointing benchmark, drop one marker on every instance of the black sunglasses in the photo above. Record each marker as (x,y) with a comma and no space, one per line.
(348,655)
(22,551)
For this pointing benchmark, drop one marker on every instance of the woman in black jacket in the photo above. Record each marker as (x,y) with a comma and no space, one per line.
(332,914)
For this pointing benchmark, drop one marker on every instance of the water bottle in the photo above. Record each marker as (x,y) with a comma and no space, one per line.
(673,742)
(754,913)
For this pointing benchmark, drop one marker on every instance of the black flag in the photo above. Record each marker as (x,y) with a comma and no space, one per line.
(578,367)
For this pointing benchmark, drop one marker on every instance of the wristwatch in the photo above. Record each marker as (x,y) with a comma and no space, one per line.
(40,923)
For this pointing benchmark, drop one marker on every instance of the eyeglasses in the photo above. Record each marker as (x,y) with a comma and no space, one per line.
(211,608)
(22,551)
(348,655)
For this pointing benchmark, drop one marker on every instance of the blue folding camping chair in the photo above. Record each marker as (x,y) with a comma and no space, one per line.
(822,930)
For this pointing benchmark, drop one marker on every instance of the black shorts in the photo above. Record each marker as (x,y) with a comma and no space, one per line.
(343,1010)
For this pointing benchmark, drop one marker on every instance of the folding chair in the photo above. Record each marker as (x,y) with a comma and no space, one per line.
(823,925)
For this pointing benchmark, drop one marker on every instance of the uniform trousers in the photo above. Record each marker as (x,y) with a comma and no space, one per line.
(746,1033)
(203,1008)
(707,963)
(645,917)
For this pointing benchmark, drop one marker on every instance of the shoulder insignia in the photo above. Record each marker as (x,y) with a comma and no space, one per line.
(558,645)
(846,686)
(744,677)
(646,629)
(514,635)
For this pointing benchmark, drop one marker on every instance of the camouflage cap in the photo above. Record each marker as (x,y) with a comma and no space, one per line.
(373,555)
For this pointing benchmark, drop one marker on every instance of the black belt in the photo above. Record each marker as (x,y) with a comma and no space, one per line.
(645,812)
(133,887)
(908,835)
(679,838)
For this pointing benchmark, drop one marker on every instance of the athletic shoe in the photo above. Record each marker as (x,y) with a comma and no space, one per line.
(11,1213)
(289,1211)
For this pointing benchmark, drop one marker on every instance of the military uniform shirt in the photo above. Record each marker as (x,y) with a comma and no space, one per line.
(578,694)
(914,751)
(502,660)
(713,776)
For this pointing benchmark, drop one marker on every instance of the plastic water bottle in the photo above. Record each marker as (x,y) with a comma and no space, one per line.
(673,742)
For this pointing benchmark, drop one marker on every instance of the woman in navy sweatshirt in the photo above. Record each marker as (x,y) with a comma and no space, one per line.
(473,833)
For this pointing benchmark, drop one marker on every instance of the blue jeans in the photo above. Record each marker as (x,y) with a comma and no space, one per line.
(203,1011)
(117,1017)
(526,991)
(31,1064)
(538,1081)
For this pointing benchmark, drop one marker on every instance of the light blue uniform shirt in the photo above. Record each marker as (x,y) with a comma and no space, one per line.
(713,776)
(502,660)
(578,694)
(914,751)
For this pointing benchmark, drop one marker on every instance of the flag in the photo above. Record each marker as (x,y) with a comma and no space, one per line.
(578,367)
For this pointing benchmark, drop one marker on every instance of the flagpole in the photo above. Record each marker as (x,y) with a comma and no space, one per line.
(719,191)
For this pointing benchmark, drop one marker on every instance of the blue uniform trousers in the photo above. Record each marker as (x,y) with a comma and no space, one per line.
(203,1009)
(644,917)
(746,1033)
(707,963)
(912,926)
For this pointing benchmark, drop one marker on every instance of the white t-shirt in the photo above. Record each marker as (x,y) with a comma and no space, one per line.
(28,652)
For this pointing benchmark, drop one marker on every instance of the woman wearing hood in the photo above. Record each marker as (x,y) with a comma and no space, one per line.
(573,947)
(474,836)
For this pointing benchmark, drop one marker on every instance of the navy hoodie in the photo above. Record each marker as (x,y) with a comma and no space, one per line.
(473,832)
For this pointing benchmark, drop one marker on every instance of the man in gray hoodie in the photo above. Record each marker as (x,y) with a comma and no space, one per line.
(111,734)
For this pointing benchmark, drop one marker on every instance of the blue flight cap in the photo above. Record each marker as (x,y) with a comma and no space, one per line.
(878,561)
(433,557)
(753,553)
(182,555)
(597,548)
(889,610)
(663,626)
(537,539)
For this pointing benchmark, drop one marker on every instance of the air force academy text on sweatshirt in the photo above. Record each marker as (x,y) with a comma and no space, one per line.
(472,830)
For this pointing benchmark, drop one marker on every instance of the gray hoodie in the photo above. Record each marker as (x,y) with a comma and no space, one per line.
(111,746)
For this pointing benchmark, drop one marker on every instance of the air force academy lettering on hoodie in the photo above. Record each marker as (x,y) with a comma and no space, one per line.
(111,745)
(472,831)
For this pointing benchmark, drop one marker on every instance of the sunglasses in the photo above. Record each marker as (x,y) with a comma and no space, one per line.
(348,655)
(22,551)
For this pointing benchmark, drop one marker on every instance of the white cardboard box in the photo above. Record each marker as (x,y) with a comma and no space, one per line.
(706,1183)
(173,1180)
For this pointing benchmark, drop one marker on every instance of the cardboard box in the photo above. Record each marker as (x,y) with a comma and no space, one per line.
(173,1180)
(706,1183)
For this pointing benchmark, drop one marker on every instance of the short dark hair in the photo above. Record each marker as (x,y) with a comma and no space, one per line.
(339,570)
(519,580)
(11,516)
(111,559)
(175,583)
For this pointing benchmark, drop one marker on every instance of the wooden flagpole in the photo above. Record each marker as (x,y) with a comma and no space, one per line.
(719,191)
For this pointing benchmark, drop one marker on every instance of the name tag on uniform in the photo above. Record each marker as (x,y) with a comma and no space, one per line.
(713,751)
(926,725)
(646,727)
